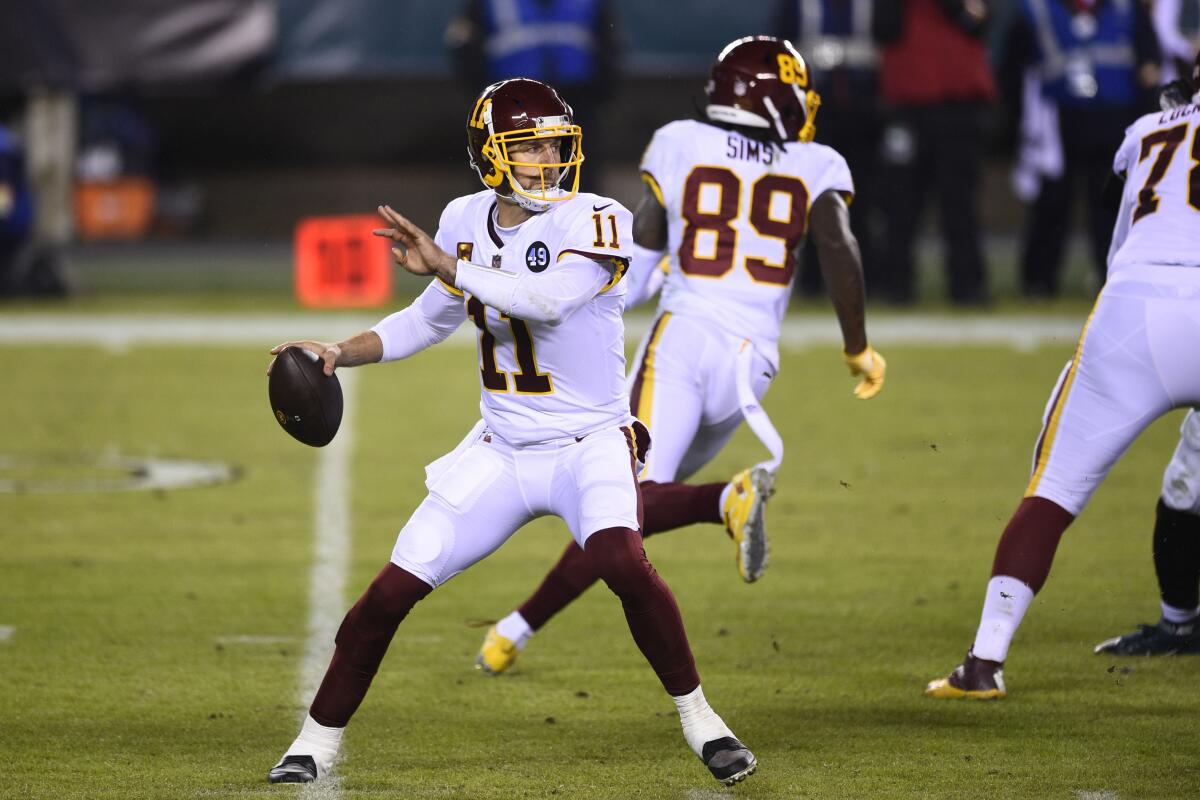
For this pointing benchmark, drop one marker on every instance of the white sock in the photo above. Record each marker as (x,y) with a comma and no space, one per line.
(724,496)
(1004,607)
(1177,615)
(318,741)
(515,629)
(700,723)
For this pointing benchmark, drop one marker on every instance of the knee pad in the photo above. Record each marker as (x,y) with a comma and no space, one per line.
(1181,480)
(425,543)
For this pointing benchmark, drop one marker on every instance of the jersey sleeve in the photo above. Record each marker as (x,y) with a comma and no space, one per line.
(1125,157)
(432,317)
(447,237)
(656,164)
(604,237)
(834,175)
(449,224)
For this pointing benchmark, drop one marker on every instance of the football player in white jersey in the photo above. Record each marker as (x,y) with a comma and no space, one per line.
(728,200)
(538,272)
(1137,358)
(1176,539)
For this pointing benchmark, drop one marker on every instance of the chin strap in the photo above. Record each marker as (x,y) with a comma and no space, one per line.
(811,104)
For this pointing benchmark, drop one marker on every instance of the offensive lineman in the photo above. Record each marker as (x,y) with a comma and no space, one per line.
(556,436)
(1176,552)
(1176,535)
(728,199)
(1137,358)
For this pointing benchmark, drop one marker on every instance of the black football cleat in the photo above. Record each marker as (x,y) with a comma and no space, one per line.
(293,769)
(1163,639)
(728,760)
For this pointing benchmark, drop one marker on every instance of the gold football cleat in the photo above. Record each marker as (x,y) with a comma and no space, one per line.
(744,513)
(497,653)
(974,679)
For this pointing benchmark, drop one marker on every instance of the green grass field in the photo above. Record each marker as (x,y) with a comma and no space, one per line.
(122,674)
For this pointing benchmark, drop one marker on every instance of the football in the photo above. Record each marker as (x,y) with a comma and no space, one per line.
(306,402)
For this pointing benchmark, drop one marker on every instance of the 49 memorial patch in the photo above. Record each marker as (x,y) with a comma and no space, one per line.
(537,257)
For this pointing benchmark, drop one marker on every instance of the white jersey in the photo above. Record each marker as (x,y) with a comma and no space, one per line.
(737,210)
(542,382)
(1159,219)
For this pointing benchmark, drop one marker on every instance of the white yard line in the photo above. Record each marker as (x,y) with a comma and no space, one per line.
(7,632)
(331,564)
(1021,332)
(251,639)
(331,546)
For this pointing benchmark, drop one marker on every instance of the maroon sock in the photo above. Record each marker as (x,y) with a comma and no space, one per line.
(1027,546)
(654,620)
(362,641)
(666,506)
(569,578)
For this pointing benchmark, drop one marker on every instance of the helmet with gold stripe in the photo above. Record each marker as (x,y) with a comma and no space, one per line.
(511,121)
(761,83)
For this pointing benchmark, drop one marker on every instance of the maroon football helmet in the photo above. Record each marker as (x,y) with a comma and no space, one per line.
(520,110)
(761,82)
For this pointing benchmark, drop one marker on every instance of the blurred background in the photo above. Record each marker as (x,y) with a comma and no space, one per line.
(153,145)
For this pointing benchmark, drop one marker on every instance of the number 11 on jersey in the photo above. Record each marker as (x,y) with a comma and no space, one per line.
(528,380)
(612,230)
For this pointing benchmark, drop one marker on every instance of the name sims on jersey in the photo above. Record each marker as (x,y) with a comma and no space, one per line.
(749,150)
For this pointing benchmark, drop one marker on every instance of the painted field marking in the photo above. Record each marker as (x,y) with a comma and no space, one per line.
(251,639)
(1020,331)
(330,566)
(7,632)
(706,794)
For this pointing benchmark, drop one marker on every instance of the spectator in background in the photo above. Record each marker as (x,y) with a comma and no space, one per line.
(936,84)
(1091,68)
(16,211)
(1177,25)
(26,270)
(835,37)
(570,44)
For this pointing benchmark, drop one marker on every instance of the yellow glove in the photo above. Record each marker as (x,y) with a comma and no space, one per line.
(871,366)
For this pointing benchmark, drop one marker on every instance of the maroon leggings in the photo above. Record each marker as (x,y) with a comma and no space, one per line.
(665,506)
(615,554)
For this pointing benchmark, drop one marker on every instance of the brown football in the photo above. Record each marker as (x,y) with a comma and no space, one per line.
(306,402)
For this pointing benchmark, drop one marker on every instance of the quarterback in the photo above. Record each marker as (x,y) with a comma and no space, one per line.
(537,268)
(727,202)
(1137,358)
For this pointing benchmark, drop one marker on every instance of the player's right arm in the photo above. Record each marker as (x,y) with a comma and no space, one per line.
(362,348)
(644,277)
(841,267)
(433,316)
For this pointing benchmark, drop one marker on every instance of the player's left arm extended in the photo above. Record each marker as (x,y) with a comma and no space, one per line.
(841,267)
(548,297)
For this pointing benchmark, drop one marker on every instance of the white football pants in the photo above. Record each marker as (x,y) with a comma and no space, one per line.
(1137,359)
(485,489)
(683,387)
(1181,480)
